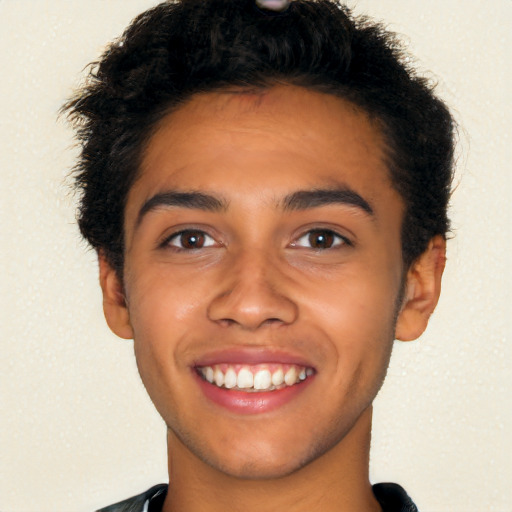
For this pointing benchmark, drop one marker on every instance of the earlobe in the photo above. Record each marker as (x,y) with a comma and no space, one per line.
(114,303)
(423,288)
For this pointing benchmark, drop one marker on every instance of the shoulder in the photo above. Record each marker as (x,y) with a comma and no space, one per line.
(136,503)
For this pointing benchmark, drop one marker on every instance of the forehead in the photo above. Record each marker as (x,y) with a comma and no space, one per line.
(273,119)
(251,145)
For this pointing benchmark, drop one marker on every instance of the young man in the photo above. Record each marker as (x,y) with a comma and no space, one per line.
(267,193)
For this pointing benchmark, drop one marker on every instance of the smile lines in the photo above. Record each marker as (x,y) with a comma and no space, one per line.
(262,377)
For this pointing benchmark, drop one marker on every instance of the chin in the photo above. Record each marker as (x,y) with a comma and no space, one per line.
(261,469)
(266,460)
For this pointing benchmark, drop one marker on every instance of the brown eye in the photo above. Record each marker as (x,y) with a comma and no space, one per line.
(321,239)
(191,239)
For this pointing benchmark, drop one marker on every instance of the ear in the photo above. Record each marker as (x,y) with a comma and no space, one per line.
(422,291)
(114,303)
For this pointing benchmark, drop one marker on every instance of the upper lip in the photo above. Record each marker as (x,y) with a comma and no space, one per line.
(251,356)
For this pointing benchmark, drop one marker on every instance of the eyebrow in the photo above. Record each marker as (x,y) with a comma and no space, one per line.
(190,200)
(305,199)
(300,200)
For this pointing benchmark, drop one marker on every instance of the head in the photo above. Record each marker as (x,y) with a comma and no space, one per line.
(267,192)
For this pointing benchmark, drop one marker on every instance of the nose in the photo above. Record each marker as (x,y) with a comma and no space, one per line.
(250,296)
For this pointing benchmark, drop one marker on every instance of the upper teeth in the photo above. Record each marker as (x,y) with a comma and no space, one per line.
(255,378)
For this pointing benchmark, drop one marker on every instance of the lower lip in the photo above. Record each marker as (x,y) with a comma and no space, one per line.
(251,403)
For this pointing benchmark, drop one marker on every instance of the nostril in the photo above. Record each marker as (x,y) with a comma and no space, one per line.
(269,321)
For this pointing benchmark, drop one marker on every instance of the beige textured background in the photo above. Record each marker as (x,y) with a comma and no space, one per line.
(77,430)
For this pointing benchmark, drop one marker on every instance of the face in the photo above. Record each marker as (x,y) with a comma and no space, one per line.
(262,275)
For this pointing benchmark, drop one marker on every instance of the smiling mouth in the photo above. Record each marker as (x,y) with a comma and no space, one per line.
(254,378)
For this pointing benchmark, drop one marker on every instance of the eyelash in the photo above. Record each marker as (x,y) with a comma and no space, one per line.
(333,239)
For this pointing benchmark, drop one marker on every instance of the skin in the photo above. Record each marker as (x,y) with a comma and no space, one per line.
(258,280)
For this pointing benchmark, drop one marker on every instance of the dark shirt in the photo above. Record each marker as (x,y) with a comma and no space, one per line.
(391,497)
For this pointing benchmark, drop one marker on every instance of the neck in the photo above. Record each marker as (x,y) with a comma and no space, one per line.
(337,481)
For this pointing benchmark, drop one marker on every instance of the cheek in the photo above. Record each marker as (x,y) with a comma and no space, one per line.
(163,312)
(162,303)
(357,314)
(357,300)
